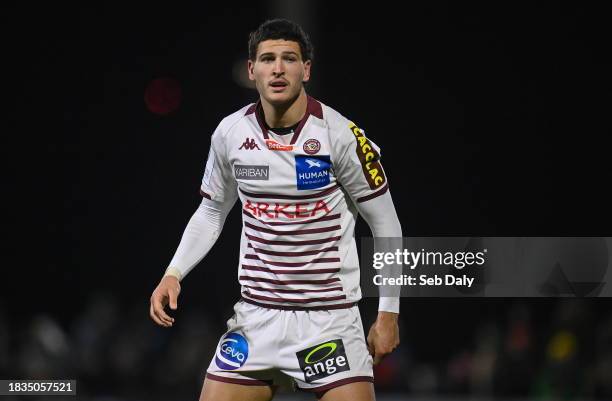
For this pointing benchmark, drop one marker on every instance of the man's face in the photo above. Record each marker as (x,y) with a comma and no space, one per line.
(278,70)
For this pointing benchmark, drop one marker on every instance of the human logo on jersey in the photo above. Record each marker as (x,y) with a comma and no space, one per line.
(249,144)
(369,158)
(312,171)
(232,352)
(323,360)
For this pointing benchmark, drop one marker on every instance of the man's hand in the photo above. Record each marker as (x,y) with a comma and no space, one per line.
(167,291)
(383,337)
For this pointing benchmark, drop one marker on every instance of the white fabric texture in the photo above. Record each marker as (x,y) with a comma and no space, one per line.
(200,235)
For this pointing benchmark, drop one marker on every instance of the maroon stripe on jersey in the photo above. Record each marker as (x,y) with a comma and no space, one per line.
(260,121)
(290,254)
(204,194)
(286,282)
(281,196)
(291,271)
(251,109)
(312,108)
(292,264)
(293,232)
(374,195)
(300,308)
(295,300)
(292,243)
(286,223)
(286,291)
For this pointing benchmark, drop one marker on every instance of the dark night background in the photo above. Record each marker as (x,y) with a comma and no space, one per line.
(493,120)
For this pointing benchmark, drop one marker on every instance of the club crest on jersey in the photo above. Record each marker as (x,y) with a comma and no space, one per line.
(232,352)
(323,360)
(312,146)
(273,145)
(249,144)
(312,171)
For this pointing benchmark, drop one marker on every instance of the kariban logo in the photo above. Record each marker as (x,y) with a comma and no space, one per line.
(251,172)
(233,352)
(323,360)
(312,146)
(273,145)
(312,171)
(249,144)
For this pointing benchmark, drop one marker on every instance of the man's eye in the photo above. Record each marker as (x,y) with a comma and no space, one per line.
(267,59)
(290,59)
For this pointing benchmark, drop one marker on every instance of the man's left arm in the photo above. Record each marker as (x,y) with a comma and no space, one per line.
(382,219)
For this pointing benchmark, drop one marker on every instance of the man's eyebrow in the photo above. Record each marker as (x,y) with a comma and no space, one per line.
(291,52)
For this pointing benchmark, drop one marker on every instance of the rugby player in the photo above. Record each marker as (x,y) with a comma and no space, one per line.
(303,173)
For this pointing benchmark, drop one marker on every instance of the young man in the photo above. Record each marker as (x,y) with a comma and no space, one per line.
(302,172)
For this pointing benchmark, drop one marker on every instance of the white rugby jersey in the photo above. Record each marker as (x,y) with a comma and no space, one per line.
(297,191)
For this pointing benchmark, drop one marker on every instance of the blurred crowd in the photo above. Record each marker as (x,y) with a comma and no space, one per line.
(115,350)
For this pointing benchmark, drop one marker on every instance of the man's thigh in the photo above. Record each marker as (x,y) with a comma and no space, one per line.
(358,391)
(214,390)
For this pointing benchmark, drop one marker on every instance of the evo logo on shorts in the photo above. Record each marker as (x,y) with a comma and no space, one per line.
(312,171)
(323,360)
(233,352)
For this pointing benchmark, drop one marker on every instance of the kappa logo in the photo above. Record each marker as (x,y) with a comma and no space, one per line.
(249,144)
(323,360)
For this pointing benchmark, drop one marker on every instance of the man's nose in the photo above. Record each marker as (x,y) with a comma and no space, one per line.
(279,68)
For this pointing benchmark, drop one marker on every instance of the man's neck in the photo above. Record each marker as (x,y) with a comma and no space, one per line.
(285,115)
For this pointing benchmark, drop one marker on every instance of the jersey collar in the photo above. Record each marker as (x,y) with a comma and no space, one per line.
(313,108)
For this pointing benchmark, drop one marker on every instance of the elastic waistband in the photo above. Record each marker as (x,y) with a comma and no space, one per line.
(300,308)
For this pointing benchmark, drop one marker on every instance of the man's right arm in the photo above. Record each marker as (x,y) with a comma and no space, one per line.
(219,192)
(200,235)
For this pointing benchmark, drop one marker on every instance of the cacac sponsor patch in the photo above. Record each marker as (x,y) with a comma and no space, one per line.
(323,360)
(232,352)
(312,171)
(369,158)
(247,172)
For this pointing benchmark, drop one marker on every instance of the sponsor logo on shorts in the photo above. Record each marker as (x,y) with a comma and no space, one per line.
(369,158)
(242,172)
(273,145)
(312,146)
(323,360)
(312,171)
(232,352)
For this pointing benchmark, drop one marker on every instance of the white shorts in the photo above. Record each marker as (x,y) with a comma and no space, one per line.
(314,350)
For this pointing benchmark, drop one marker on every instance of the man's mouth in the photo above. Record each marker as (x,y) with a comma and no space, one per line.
(278,85)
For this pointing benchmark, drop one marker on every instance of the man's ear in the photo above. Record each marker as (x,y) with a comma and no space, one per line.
(307,65)
(250,66)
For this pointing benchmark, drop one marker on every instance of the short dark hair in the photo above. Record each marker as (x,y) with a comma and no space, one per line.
(281,29)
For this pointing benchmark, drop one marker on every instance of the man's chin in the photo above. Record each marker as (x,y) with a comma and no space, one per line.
(277,99)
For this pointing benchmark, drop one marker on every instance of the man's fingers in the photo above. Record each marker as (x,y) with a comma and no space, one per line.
(173,298)
(159,311)
(154,316)
(377,359)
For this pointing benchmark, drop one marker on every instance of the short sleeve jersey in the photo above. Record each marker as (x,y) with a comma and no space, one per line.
(298,193)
